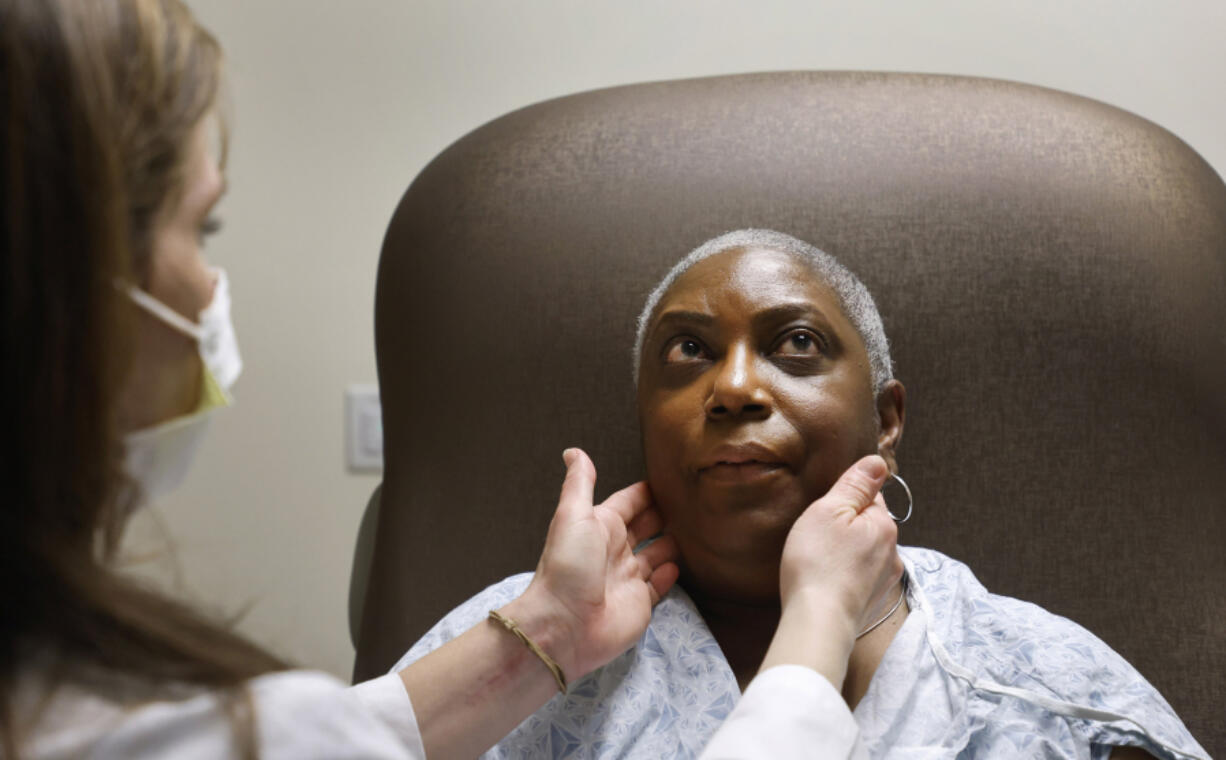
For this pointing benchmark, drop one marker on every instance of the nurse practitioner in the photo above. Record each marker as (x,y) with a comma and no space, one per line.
(118,347)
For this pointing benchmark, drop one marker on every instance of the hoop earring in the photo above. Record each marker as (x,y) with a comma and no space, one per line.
(910,502)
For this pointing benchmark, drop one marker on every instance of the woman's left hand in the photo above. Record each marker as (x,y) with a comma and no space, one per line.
(591,592)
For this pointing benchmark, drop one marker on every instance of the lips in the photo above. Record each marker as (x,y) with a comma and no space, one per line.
(740,462)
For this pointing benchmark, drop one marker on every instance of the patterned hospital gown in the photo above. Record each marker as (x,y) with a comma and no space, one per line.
(969,675)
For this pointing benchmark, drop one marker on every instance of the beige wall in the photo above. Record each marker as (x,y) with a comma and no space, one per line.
(340,102)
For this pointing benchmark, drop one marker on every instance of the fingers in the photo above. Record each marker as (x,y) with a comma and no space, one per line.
(662,579)
(646,524)
(629,502)
(658,552)
(885,532)
(658,565)
(859,487)
(576,500)
(879,513)
(877,510)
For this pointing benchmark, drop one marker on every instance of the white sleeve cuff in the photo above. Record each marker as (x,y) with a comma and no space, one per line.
(788,711)
(387,699)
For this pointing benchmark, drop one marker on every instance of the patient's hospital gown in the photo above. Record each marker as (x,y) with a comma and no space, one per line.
(969,674)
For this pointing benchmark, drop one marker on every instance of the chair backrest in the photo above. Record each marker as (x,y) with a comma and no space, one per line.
(359,573)
(1051,272)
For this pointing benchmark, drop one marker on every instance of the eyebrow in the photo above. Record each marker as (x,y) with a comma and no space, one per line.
(792,310)
(782,312)
(678,318)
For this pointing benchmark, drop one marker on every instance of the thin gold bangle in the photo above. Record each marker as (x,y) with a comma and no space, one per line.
(553,666)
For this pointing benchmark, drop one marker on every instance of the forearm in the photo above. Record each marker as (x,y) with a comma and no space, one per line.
(816,633)
(471,692)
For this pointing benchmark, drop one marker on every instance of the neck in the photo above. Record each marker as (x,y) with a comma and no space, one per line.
(744,631)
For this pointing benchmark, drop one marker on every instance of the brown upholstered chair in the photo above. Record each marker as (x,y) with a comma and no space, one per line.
(1051,272)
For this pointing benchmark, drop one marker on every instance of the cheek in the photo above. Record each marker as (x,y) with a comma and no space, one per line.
(669,420)
(667,427)
(661,456)
(836,430)
(179,276)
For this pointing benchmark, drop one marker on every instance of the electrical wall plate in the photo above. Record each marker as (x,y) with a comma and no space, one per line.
(363,428)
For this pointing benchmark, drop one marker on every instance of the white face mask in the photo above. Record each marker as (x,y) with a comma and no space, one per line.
(214,334)
(158,458)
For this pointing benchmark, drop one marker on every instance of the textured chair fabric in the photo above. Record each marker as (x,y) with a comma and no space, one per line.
(1051,272)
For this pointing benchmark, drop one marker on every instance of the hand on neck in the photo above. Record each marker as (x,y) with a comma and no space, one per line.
(744,628)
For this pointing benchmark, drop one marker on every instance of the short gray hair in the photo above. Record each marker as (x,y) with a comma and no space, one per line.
(855,300)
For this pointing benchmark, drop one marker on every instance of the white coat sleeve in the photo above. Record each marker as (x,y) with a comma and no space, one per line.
(788,711)
(299,715)
(371,720)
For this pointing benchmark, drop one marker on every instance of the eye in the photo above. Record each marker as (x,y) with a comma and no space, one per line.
(684,349)
(209,227)
(800,343)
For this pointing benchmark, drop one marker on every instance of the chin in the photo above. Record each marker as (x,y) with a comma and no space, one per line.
(735,556)
(747,522)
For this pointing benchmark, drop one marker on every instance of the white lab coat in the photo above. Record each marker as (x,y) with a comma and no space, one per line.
(299,714)
(787,712)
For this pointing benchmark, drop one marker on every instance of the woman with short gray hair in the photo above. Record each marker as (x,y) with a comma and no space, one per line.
(764,379)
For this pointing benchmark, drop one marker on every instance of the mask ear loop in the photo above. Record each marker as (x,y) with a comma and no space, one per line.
(165,313)
(910,502)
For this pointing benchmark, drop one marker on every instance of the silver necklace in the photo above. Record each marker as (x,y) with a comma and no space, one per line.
(902,593)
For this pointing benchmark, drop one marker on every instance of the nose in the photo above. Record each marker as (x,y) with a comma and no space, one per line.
(739,389)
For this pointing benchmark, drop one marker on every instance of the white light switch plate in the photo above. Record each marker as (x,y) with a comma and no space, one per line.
(363,428)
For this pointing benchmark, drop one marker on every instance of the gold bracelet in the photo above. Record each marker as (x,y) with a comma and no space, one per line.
(513,627)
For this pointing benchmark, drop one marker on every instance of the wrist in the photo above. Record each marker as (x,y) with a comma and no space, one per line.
(815,631)
(826,615)
(550,627)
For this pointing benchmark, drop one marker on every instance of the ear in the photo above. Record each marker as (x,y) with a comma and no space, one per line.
(891,414)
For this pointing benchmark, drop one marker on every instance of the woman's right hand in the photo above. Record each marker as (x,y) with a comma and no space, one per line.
(592,595)
(590,600)
(840,562)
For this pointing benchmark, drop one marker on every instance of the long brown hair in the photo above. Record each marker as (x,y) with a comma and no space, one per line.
(97,100)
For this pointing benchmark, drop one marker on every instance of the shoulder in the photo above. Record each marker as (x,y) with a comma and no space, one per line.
(465,616)
(967,618)
(1003,638)
(1017,653)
